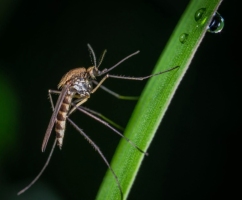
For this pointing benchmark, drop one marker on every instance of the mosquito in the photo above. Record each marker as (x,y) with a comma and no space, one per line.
(76,87)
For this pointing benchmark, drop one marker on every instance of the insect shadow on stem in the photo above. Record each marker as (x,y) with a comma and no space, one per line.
(76,88)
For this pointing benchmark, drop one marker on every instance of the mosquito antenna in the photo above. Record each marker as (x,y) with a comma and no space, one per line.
(101,58)
(127,57)
(113,129)
(99,151)
(42,170)
(92,55)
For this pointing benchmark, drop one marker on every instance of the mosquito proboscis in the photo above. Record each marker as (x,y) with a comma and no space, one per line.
(76,88)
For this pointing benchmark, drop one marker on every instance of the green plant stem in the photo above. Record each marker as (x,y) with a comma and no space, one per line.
(157,96)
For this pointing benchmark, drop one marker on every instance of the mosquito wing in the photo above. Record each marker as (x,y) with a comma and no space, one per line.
(53,117)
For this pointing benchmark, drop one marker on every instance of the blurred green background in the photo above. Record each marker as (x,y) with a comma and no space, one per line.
(196,153)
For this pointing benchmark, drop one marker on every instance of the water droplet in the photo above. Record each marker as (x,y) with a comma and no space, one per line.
(217,24)
(199,14)
(183,37)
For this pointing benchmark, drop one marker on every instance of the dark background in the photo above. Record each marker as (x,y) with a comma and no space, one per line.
(196,153)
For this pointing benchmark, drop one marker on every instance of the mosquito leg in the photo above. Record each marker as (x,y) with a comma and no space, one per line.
(116,94)
(100,83)
(42,170)
(75,106)
(125,78)
(100,153)
(85,136)
(54,91)
(52,149)
(92,111)
(103,117)
(140,78)
(58,92)
(110,127)
(51,100)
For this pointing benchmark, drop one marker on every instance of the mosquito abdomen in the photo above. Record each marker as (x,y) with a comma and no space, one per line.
(61,119)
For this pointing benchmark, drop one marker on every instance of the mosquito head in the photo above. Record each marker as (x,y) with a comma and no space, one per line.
(93,72)
(92,55)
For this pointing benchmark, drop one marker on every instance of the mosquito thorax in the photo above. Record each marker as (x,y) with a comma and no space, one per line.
(71,75)
(81,86)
